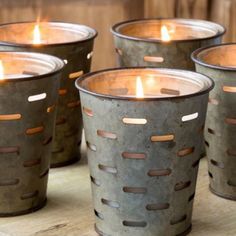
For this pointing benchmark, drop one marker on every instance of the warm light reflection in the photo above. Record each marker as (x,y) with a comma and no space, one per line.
(139,88)
(1,71)
(165,36)
(37,35)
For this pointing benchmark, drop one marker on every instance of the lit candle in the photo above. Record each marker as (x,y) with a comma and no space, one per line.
(163,42)
(72,43)
(135,139)
(29,84)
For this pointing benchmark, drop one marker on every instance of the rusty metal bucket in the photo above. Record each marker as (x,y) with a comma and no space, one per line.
(28,94)
(143,153)
(219,63)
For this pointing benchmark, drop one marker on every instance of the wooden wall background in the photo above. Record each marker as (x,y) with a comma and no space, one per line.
(102,14)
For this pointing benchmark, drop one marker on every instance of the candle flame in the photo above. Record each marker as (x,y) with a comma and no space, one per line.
(165,36)
(37,35)
(139,88)
(1,71)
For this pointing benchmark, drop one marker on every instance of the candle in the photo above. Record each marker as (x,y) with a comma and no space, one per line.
(28,92)
(72,43)
(163,42)
(143,129)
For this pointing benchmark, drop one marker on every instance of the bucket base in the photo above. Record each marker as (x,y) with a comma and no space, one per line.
(31,210)
(222,195)
(186,232)
(66,163)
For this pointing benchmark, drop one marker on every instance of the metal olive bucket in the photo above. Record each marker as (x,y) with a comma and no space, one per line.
(28,95)
(145,43)
(219,63)
(74,44)
(143,152)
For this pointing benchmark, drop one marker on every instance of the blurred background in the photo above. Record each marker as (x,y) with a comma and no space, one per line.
(102,14)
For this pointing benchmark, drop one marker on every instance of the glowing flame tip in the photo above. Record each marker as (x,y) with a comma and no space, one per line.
(37,36)
(165,36)
(139,88)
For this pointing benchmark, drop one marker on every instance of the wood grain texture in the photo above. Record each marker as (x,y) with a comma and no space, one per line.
(69,211)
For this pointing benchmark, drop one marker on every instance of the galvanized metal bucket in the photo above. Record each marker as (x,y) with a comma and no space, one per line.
(219,63)
(28,95)
(140,42)
(74,44)
(143,153)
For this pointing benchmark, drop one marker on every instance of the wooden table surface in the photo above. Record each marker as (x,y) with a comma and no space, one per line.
(69,210)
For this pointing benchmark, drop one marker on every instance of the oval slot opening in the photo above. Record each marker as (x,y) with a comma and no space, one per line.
(182,185)
(119,51)
(157,207)
(33,162)
(230,121)
(210,131)
(134,121)
(170,91)
(105,134)
(10,117)
(92,147)
(229,89)
(110,203)
(210,174)
(153,59)
(95,181)
(37,97)
(135,190)
(190,117)
(185,152)
(191,197)
(88,111)
(29,195)
(6,150)
(35,130)
(217,164)
(76,74)
(51,108)
(99,215)
(159,172)
(135,156)
(62,92)
(47,141)
(43,174)
(73,104)
(108,169)
(90,55)
(140,224)
(9,182)
(162,138)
